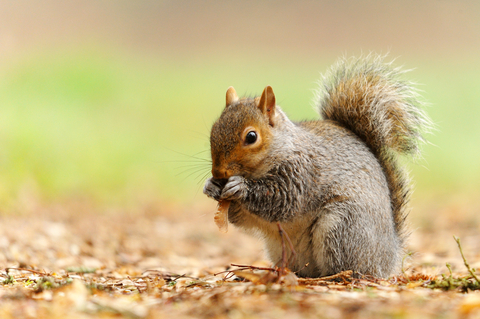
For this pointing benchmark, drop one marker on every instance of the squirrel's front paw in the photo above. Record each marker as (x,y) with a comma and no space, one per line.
(213,188)
(234,189)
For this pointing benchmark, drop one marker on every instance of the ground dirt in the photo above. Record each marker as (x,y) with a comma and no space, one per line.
(74,260)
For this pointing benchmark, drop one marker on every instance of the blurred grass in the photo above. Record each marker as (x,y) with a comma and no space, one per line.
(451,164)
(112,125)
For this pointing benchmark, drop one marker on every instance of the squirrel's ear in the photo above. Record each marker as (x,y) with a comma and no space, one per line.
(267,104)
(232,96)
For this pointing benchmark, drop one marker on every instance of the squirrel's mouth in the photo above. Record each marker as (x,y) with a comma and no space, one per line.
(226,171)
(219,182)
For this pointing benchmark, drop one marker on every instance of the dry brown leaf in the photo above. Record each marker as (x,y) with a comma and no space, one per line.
(221,215)
(290,279)
(250,276)
(411,285)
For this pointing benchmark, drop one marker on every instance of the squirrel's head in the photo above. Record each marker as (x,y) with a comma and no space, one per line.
(241,137)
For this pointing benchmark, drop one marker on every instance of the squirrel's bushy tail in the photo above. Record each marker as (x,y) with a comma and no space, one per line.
(367,96)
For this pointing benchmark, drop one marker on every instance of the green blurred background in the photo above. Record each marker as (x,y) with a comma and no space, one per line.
(112,101)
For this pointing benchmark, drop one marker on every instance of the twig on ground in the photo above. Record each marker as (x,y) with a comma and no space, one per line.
(230,273)
(253,267)
(280,270)
(283,262)
(344,275)
(30,270)
(135,284)
(457,239)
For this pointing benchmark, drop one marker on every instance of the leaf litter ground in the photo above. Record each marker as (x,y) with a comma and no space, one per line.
(154,261)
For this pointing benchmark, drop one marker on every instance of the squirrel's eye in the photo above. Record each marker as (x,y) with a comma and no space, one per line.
(251,137)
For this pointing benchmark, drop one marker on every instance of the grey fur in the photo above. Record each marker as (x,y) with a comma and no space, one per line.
(334,185)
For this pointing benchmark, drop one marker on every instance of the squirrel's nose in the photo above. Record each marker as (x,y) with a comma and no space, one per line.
(220,173)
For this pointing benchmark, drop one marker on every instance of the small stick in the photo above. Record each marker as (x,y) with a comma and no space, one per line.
(294,253)
(230,273)
(457,239)
(284,235)
(167,276)
(30,270)
(284,250)
(252,267)
(342,275)
(135,284)
(179,276)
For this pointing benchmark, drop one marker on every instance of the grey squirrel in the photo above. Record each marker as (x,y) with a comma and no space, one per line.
(335,185)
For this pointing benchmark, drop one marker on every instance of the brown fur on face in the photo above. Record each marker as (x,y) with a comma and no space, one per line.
(230,155)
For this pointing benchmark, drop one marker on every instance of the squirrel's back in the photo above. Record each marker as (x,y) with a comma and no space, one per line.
(367,97)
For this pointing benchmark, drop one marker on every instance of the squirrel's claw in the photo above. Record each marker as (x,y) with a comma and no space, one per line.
(234,189)
(213,188)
